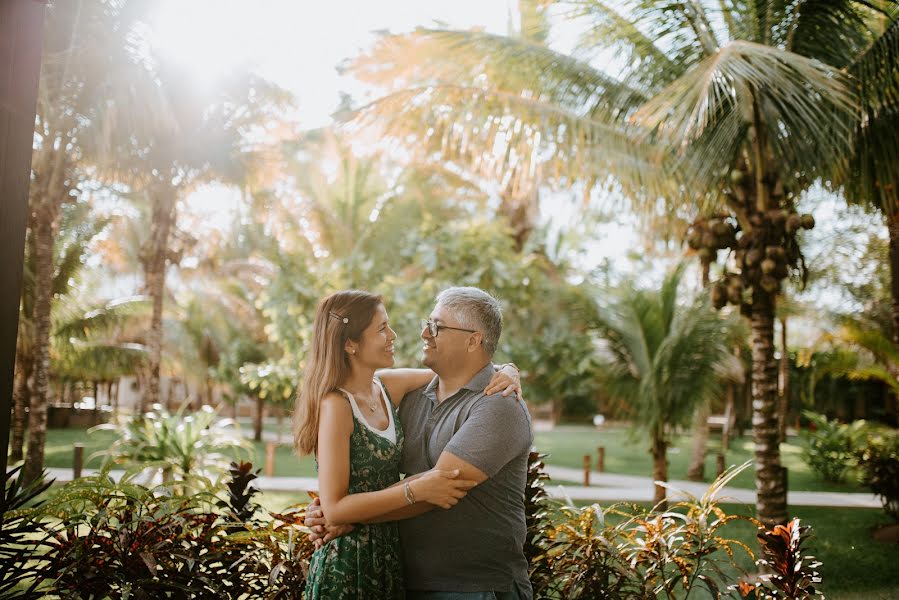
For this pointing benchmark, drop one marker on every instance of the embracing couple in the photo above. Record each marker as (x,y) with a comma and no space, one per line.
(454,527)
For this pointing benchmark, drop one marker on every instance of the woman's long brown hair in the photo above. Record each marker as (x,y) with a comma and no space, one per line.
(340,317)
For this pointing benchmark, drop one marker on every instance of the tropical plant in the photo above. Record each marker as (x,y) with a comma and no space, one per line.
(194,449)
(729,110)
(20,571)
(625,551)
(662,359)
(878,463)
(871,178)
(831,446)
(790,574)
(123,539)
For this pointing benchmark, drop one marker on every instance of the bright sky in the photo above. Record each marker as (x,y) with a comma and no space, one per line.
(298,44)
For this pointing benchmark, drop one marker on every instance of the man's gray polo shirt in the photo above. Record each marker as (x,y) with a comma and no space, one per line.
(478,544)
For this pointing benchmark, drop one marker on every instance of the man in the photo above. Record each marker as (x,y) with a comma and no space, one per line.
(474,550)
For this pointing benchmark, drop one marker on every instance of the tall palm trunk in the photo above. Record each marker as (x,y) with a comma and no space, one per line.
(44,225)
(893,227)
(257,419)
(771,494)
(659,469)
(21,400)
(700,425)
(700,428)
(784,384)
(155,259)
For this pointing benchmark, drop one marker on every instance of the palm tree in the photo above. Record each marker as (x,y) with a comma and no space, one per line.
(77,228)
(85,50)
(731,109)
(873,178)
(665,359)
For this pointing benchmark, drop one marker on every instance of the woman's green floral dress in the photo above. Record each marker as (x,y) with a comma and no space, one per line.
(367,562)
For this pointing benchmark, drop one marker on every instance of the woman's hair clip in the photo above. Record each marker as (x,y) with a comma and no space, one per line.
(344,320)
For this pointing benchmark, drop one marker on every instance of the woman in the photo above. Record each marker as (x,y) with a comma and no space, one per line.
(348,418)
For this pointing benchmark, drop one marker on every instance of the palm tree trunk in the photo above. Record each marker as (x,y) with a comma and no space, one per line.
(893,227)
(21,399)
(44,225)
(155,259)
(784,380)
(659,469)
(696,470)
(771,493)
(257,420)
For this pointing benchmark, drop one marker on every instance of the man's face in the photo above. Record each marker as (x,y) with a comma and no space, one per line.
(450,345)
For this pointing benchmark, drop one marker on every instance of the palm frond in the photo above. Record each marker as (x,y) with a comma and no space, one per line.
(514,65)
(511,138)
(805,108)
(873,175)
(648,66)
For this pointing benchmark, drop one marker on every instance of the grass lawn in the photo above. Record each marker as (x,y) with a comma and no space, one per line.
(854,566)
(566,446)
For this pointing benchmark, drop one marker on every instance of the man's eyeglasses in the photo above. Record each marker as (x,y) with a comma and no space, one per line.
(434,328)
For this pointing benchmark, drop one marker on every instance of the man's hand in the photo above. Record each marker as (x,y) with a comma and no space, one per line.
(322,533)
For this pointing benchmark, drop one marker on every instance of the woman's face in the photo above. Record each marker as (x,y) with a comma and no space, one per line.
(375,347)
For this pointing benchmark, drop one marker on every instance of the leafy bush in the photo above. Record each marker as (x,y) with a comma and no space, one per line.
(102,539)
(625,551)
(878,462)
(830,446)
(193,447)
(20,573)
(789,574)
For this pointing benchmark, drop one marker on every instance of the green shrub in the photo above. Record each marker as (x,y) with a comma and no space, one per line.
(878,461)
(104,539)
(625,551)
(20,573)
(830,446)
(195,447)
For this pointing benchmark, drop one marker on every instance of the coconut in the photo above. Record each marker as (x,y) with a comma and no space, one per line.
(769,284)
(808,221)
(708,239)
(782,271)
(736,176)
(793,222)
(778,217)
(707,254)
(694,240)
(753,257)
(720,228)
(768,266)
(775,252)
(734,295)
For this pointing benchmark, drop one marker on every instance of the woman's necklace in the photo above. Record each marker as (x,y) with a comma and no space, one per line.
(371,402)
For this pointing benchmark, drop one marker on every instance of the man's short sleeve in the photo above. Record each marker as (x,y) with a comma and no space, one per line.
(496,431)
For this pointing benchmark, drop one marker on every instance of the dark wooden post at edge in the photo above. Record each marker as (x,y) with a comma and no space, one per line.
(21,41)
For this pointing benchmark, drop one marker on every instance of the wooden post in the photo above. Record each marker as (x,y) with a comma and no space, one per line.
(586,470)
(78,461)
(601,459)
(270,459)
(21,44)
(719,464)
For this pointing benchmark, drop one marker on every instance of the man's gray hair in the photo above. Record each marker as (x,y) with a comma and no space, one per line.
(475,309)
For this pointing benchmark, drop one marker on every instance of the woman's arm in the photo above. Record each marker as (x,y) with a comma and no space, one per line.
(339,506)
(399,382)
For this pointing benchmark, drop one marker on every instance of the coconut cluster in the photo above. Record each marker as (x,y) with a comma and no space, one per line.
(764,252)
